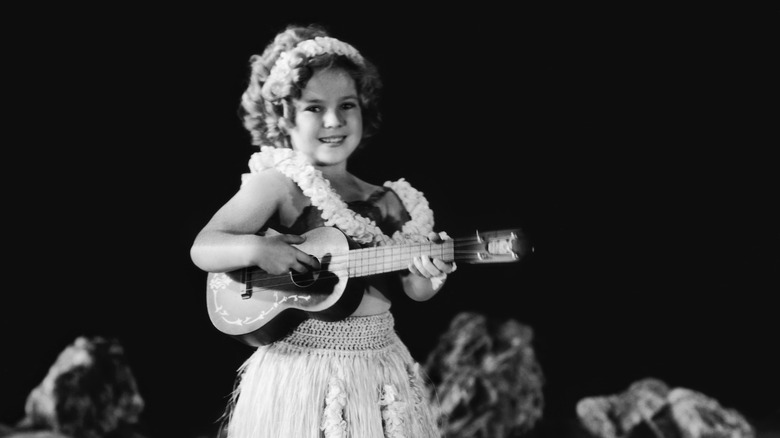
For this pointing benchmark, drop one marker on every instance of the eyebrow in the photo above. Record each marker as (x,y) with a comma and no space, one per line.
(318,100)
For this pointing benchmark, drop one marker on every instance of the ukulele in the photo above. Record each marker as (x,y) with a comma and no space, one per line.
(258,308)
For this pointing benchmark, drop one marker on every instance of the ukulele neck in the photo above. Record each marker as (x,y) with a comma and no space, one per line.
(381,259)
(503,246)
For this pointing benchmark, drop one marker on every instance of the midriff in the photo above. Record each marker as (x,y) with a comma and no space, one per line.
(373,303)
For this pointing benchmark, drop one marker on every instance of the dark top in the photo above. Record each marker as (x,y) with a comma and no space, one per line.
(383,206)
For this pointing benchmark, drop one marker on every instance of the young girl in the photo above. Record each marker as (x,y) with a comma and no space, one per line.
(311,101)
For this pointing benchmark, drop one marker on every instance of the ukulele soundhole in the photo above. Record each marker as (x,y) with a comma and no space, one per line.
(304,279)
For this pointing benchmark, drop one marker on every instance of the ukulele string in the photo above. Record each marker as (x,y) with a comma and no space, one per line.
(353,254)
(373,262)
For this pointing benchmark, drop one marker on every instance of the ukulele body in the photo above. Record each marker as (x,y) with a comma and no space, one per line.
(258,308)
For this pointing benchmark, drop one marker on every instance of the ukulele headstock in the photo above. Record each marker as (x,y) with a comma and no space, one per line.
(502,246)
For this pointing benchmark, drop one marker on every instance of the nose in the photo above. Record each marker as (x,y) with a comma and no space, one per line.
(333,119)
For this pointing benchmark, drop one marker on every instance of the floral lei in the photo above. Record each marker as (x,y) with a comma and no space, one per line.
(335,212)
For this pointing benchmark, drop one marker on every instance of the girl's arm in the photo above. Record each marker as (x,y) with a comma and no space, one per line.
(426,275)
(228,241)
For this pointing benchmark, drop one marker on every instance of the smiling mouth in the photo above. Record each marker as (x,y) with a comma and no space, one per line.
(333,140)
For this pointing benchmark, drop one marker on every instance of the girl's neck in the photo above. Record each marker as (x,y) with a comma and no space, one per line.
(338,175)
(336,172)
(348,186)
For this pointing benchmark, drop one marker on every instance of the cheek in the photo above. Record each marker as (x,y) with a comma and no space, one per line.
(357,120)
(302,126)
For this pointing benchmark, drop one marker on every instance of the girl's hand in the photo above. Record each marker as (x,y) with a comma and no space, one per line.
(432,267)
(278,255)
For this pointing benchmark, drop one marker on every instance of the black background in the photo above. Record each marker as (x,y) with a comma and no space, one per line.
(633,146)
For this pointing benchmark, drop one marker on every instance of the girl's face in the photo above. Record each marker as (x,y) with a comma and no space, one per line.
(328,119)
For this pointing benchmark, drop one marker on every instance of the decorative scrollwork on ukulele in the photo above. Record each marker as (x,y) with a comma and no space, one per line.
(221,283)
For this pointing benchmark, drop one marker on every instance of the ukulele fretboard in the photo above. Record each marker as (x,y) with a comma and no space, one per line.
(381,259)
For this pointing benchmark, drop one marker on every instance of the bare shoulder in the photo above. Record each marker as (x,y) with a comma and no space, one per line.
(270,184)
(267,180)
(273,186)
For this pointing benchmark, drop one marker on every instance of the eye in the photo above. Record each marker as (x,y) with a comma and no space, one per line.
(349,105)
(313,108)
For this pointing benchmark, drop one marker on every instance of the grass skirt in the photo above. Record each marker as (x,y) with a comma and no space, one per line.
(350,378)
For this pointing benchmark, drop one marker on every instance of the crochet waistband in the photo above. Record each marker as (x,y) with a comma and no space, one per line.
(354,333)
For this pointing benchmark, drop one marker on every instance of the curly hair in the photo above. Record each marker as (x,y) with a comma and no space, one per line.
(266,120)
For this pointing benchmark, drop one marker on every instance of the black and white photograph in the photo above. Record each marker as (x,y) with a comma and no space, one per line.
(469,222)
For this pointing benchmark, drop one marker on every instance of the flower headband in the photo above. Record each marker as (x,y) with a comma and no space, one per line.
(285,72)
